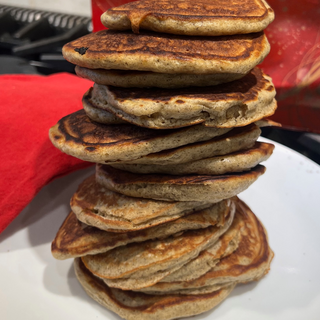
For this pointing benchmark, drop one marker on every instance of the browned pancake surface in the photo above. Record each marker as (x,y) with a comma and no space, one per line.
(117,49)
(244,90)
(235,264)
(135,305)
(164,15)
(77,127)
(81,137)
(107,210)
(211,188)
(236,9)
(240,138)
(75,238)
(235,162)
(120,177)
(249,262)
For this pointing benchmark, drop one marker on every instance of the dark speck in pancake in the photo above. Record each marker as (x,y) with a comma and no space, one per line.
(81,50)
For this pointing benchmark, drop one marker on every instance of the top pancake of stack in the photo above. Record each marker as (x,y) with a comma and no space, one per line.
(223,41)
(193,18)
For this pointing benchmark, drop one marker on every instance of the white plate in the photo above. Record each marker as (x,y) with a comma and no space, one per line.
(33,285)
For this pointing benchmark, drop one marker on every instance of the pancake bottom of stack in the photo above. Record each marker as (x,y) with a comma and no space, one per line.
(242,254)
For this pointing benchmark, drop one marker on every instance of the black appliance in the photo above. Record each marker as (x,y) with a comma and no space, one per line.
(31,40)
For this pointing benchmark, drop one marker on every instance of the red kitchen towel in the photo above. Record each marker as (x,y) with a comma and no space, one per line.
(30,105)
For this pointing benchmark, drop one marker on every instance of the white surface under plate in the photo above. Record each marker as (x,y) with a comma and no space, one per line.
(33,285)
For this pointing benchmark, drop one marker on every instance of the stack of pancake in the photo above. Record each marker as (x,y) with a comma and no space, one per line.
(172,122)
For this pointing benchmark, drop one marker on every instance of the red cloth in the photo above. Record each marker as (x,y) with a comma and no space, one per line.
(30,105)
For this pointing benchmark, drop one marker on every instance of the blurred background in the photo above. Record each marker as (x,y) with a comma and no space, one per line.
(32,33)
(77,7)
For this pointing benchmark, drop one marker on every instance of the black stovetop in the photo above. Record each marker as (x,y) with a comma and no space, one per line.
(33,39)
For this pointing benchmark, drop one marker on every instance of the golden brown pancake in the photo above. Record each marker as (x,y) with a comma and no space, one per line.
(139,265)
(208,258)
(235,162)
(100,115)
(165,53)
(82,138)
(143,79)
(76,239)
(177,188)
(267,123)
(237,139)
(234,104)
(135,305)
(187,17)
(97,206)
(249,262)
(103,116)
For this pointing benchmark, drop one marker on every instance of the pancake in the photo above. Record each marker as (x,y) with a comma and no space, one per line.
(100,115)
(103,116)
(143,79)
(236,139)
(186,17)
(233,104)
(267,123)
(163,53)
(177,188)
(139,265)
(82,138)
(107,210)
(76,239)
(249,262)
(207,259)
(135,305)
(235,162)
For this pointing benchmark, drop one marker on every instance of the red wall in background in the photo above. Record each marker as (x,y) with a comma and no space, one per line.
(294,62)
